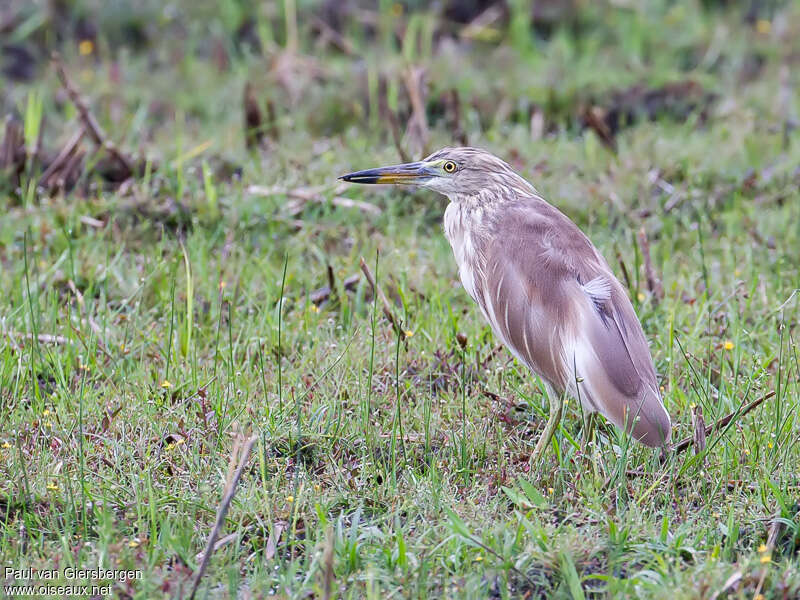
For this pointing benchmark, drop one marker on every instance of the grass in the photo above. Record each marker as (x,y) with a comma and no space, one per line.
(382,469)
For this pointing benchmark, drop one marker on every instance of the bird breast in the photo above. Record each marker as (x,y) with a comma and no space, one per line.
(466,228)
(461,225)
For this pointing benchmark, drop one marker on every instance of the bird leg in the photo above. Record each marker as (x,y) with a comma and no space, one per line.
(556,406)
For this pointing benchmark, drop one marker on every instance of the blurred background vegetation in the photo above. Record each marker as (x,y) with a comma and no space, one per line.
(167,74)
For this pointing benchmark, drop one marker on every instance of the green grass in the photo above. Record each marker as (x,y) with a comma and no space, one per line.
(186,315)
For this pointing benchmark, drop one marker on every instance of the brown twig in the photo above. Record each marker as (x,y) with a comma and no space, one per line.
(653,282)
(397,137)
(253,121)
(491,356)
(376,289)
(418,123)
(687,442)
(63,158)
(622,266)
(774,531)
(232,480)
(12,149)
(220,544)
(331,279)
(453,105)
(90,124)
(71,167)
(729,584)
(491,395)
(319,296)
(594,118)
(333,36)
(699,428)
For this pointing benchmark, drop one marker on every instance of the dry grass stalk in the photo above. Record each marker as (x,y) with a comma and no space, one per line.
(622,266)
(723,422)
(239,456)
(397,137)
(699,427)
(417,130)
(63,164)
(12,149)
(90,124)
(653,282)
(376,289)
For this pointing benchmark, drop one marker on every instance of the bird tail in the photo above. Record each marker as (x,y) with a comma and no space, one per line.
(618,382)
(641,414)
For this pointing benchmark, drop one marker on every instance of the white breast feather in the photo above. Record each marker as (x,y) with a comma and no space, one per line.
(463,249)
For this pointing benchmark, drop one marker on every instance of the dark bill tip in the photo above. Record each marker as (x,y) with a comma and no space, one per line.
(367,176)
(408,173)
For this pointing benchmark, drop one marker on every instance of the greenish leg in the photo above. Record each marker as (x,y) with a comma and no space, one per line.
(556,406)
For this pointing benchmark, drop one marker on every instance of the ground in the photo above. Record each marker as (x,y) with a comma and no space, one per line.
(151,325)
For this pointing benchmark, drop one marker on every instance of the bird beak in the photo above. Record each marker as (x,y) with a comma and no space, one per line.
(408,173)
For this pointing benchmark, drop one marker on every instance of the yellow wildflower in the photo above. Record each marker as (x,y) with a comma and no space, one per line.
(409,333)
(763,26)
(728,345)
(166,384)
(134,543)
(85,47)
(765,559)
(45,413)
(52,487)
(640,296)
(173,445)
(763,548)
(290,499)
(6,445)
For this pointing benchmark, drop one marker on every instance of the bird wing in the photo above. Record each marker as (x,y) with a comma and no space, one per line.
(552,298)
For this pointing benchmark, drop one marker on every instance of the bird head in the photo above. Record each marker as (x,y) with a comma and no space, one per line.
(454,172)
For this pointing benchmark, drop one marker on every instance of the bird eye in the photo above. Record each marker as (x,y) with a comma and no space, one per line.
(449,167)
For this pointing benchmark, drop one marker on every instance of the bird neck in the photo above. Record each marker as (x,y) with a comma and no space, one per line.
(495,193)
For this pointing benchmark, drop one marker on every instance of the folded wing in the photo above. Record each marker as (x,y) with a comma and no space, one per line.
(551,297)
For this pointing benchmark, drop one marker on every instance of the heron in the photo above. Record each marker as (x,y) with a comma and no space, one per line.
(546,291)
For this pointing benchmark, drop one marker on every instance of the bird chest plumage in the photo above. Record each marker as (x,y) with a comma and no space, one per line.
(460,224)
